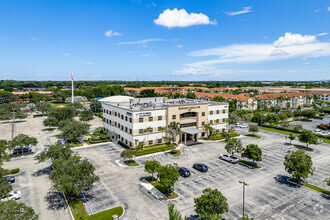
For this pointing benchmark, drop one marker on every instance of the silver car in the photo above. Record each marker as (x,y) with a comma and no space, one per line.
(229,158)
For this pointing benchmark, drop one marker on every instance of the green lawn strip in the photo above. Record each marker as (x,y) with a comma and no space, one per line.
(163,190)
(58,104)
(57,135)
(176,153)
(10,172)
(223,141)
(220,137)
(78,212)
(325,140)
(153,149)
(316,188)
(131,163)
(253,135)
(249,163)
(77,144)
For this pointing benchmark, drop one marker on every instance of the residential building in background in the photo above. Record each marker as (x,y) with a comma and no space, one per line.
(134,120)
(292,100)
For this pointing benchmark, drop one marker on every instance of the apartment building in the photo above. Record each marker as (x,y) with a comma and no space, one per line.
(134,120)
(285,100)
(321,95)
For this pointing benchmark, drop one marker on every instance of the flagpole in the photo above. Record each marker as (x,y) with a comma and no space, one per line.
(72,85)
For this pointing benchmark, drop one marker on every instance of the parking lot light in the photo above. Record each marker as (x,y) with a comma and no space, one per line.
(244,184)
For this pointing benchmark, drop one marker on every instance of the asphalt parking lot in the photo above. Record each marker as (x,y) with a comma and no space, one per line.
(312,125)
(268,196)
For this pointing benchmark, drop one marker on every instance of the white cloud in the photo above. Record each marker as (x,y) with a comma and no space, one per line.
(89,63)
(328,8)
(243,11)
(148,55)
(96,76)
(322,34)
(179,46)
(298,46)
(181,18)
(140,42)
(294,39)
(66,54)
(34,38)
(110,33)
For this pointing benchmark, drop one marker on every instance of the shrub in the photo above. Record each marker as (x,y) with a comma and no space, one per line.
(124,145)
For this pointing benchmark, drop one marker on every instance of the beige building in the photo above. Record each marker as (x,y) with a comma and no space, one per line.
(135,120)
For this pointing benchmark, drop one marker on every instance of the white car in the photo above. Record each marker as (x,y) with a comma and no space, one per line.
(228,158)
(13,195)
(237,125)
(319,141)
(244,125)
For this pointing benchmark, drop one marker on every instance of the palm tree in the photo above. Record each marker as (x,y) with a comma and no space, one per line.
(173,130)
(173,213)
(208,128)
(136,142)
(146,131)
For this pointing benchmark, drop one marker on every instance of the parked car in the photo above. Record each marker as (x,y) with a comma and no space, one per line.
(200,167)
(22,150)
(237,125)
(244,125)
(184,172)
(229,158)
(13,195)
(10,179)
(319,141)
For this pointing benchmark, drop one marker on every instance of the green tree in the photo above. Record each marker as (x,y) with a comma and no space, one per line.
(297,128)
(86,115)
(233,117)
(308,137)
(209,130)
(218,99)
(14,210)
(246,217)
(128,154)
(173,129)
(3,154)
(56,115)
(96,106)
(54,152)
(72,130)
(6,97)
(147,93)
(43,107)
(151,166)
(252,152)
(8,110)
(253,128)
(234,146)
(72,175)
(22,140)
(327,181)
(5,186)
(299,164)
(211,203)
(168,175)
(191,95)
(292,137)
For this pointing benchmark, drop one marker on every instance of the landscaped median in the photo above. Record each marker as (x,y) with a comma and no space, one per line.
(316,188)
(175,153)
(253,135)
(221,136)
(248,163)
(78,211)
(161,188)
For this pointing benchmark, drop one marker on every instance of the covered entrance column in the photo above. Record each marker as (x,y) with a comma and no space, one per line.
(190,134)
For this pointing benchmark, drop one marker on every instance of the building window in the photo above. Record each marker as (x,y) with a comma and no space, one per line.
(203,113)
(224,111)
(218,112)
(130,131)
(150,142)
(116,114)
(151,130)
(125,118)
(160,118)
(122,117)
(126,129)
(130,144)
(140,119)
(173,117)
(203,123)
(140,131)
(151,118)
(115,124)
(109,112)
(159,141)
(130,120)
(211,112)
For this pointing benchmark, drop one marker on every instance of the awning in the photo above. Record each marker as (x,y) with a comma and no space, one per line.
(191,130)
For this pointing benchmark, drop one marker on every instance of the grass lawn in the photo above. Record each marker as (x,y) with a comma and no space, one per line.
(326,192)
(57,135)
(176,153)
(223,141)
(131,163)
(325,140)
(58,104)
(253,135)
(78,211)
(249,163)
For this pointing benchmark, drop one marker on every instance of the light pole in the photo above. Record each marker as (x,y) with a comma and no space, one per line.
(244,184)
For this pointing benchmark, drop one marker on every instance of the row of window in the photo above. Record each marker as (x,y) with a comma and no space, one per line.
(122,117)
(118,125)
(150,142)
(151,119)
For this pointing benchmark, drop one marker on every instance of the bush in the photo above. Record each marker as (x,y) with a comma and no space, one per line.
(124,145)
(153,149)
(13,171)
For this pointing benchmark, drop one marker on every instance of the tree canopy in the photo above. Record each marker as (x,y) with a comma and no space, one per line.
(308,137)
(43,107)
(234,145)
(253,128)
(72,129)
(299,164)
(127,154)
(168,175)
(211,203)
(14,210)
(252,152)
(151,166)
(23,140)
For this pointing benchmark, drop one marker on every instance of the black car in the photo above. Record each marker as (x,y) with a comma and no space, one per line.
(184,172)
(22,150)
(10,179)
(200,167)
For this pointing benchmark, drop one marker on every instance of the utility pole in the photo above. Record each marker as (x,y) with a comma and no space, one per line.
(13,126)
(244,184)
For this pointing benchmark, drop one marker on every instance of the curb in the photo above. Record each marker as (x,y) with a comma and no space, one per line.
(66,201)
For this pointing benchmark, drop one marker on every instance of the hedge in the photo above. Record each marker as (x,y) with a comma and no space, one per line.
(153,149)
(220,136)
(13,171)
(124,145)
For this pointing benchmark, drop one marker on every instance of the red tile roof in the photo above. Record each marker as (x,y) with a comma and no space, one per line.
(278,95)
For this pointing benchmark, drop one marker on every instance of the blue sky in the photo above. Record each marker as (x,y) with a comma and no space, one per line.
(165,40)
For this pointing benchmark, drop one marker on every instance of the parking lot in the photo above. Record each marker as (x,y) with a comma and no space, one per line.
(312,125)
(268,196)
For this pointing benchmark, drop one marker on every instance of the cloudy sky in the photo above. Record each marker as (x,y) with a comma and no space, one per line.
(165,40)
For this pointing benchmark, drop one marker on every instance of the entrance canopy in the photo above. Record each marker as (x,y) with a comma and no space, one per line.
(191,131)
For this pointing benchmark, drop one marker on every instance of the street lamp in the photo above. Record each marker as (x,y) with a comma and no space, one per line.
(244,184)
